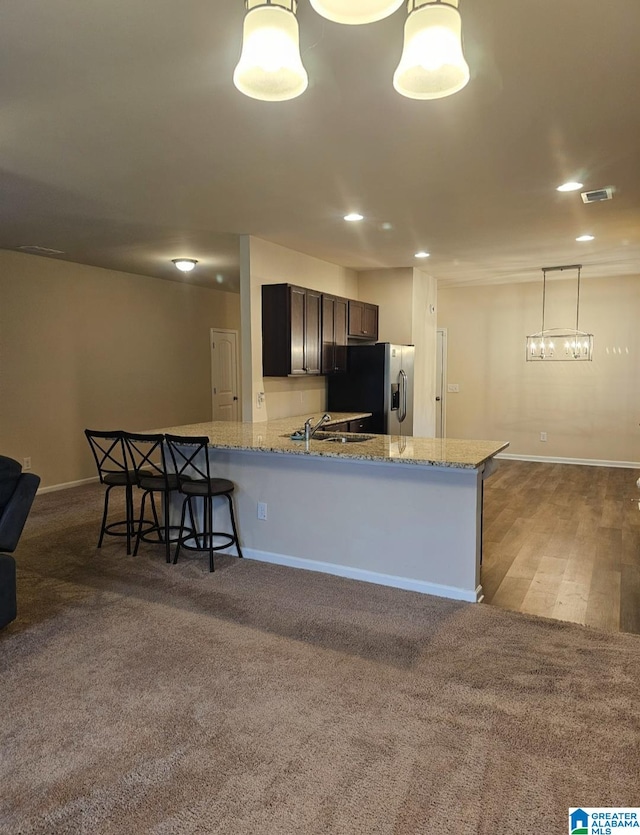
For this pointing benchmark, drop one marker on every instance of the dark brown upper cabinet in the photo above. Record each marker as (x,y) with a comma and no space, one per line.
(363,321)
(291,330)
(334,334)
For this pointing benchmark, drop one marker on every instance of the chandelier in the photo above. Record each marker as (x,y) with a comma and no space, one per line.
(432,64)
(560,344)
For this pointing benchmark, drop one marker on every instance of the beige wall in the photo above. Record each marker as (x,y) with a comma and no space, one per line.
(392,291)
(86,347)
(262,262)
(424,327)
(589,410)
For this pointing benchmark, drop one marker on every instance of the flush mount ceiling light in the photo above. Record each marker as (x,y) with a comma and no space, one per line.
(270,67)
(570,187)
(583,238)
(432,65)
(560,344)
(185,265)
(422,254)
(353,217)
(355,11)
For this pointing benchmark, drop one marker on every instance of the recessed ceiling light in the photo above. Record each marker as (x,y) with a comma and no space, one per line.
(570,187)
(185,265)
(353,217)
(422,254)
(585,238)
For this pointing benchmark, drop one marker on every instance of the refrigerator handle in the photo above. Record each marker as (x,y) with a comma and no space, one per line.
(402,377)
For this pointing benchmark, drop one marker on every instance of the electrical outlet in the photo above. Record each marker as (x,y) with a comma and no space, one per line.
(26,463)
(262,511)
(453,388)
(543,436)
(259,399)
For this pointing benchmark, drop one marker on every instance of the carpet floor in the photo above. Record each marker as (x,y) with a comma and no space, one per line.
(141,697)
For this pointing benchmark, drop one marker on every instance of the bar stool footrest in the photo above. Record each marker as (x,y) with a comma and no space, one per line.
(194,536)
(145,535)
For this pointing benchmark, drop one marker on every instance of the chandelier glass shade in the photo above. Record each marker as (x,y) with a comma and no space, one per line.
(432,65)
(270,66)
(355,11)
(560,344)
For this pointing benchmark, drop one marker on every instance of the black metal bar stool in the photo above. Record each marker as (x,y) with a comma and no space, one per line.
(148,457)
(190,458)
(108,449)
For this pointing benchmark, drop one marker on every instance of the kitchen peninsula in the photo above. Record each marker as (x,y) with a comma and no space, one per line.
(403,512)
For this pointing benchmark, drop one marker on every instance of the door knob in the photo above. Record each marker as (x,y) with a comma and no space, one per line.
(437,398)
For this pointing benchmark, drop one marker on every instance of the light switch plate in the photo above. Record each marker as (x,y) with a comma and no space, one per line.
(453,387)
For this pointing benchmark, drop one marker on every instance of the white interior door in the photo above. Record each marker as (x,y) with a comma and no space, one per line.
(224,374)
(441,378)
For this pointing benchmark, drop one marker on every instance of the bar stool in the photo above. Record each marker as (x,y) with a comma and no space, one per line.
(190,457)
(148,457)
(108,450)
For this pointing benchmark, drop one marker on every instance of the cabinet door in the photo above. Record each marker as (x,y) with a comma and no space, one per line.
(312,333)
(340,336)
(370,321)
(298,330)
(334,335)
(328,340)
(356,318)
(362,425)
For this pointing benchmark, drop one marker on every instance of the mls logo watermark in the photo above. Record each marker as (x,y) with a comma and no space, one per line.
(603,820)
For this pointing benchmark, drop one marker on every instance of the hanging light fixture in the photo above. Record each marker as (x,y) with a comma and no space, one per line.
(270,66)
(432,65)
(355,11)
(560,343)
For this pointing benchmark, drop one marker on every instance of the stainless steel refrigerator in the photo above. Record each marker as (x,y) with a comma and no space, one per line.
(379,380)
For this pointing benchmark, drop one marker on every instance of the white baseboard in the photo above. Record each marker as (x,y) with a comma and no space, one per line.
(365,576)
(585,462)
(53,487)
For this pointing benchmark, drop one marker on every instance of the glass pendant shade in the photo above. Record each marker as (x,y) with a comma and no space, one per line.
(432,65)
(355,11)
(270,67)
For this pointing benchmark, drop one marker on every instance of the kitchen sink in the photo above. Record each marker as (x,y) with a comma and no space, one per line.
(339,438)
(332,437)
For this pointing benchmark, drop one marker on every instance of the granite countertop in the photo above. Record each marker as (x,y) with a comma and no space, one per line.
(274,436)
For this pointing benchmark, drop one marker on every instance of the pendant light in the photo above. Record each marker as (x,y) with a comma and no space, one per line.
(560,344)
(355,11)
(432,65)
(270,67)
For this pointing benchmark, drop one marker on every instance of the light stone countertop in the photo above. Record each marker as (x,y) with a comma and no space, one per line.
(274,436)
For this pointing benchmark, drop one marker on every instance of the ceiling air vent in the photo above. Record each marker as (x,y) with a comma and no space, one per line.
(40,250)
(597,195)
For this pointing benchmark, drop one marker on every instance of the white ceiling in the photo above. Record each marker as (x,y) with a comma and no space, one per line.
(124,143)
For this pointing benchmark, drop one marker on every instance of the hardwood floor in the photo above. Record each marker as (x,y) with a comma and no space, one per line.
(563,541)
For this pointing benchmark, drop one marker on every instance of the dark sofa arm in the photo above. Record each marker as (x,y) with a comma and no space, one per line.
(14,514)
(8,607)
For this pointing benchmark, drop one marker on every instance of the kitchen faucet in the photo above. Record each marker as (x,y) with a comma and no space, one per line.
(310,431)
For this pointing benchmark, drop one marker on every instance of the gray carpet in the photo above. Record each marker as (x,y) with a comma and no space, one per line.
(139,697)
